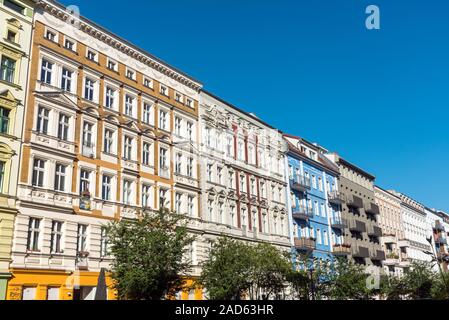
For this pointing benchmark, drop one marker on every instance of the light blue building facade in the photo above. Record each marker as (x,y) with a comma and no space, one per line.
(316,224)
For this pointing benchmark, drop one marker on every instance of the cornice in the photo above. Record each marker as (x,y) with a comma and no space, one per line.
(57,10)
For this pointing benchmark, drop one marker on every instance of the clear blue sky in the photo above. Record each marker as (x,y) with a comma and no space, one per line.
(311,68)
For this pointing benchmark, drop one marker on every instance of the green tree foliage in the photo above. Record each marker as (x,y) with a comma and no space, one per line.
(234,269)
(149,255)
(418,280)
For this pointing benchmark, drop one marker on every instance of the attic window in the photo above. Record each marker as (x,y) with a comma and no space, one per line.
(14,6)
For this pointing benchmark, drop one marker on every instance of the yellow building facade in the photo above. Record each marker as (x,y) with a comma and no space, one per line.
(103,124)
(16,29)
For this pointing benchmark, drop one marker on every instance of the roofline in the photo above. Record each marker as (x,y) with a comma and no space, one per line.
(311,144)
(354,167)
(386,191)
(239,110)
(126,42)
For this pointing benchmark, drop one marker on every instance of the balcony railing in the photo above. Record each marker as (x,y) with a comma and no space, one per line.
(372,208)
(375,231)
(360,252)
(341,249)
(302,213)
(389,238)
(354,201)
(356,225)
(301,183)
(439,226)
(305,244)
(378,255)
(339,223)
(336,197)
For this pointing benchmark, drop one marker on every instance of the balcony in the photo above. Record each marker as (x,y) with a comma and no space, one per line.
(302,213)
(354,201)
(88,149)
(339,223)
(360,252)
(389,238)
(391,259)
(300,184)
(336,197)
(305,244)
(356,225)
(375,231)
(341,249)
(377,255)
(439,226)
(403,243)
(440,240)
(372,208)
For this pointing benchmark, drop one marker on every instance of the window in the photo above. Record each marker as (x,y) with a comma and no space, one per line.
(4,120)
(87,134)
(69,44)
(231,180)
(130,74)
(81,244)
(209,172)
(162,198)
(2,174)
(42,120)
(242,184)
(220,175)
(163,158)
(163,120)
(318,236)
(177,126)
(63,127)
(190,205)
(46,71)
(110,96)
(178,202)
(38,173)
(104,252)
(66,81)
(314,182)
(253,186)
(89,89)
(127,150)
(7,69)
(320,183)
(326,239)
(146,153)
(147,113)
(11,36)
(108,141)
(127,191)
(163,90)
(229,146)
(190,130)
(14,6)
(190,167)
(178,162)
(52,293)
(33,234)
(146,195)
(91,55)
(56,236)
(178,97)
(147,83)
(220,212)
(112,65)
(106,187)
(84,181)
(189,103)
(50,35)
(240,150)
(60,177)
(210,209)
(129,101)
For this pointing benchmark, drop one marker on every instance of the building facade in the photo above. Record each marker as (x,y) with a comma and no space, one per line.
(242,176)
(415,228)
(316,222)
(103,128)
(356,193)
(393,238)
(16,17)
(437,229)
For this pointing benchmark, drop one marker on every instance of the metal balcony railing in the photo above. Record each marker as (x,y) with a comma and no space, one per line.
(305,244)
(336,197)
(302,212)
(301,183)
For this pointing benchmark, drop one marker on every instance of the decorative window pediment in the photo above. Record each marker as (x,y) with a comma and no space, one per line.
(7,99)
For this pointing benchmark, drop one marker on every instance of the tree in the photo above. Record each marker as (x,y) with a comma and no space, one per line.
(270,267)
(419,280)
(348,281)
(226,272)
(149,255)
(235,268)
(440,287)
(392,287)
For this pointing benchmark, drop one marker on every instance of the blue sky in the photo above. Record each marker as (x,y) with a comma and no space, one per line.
(380,98)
